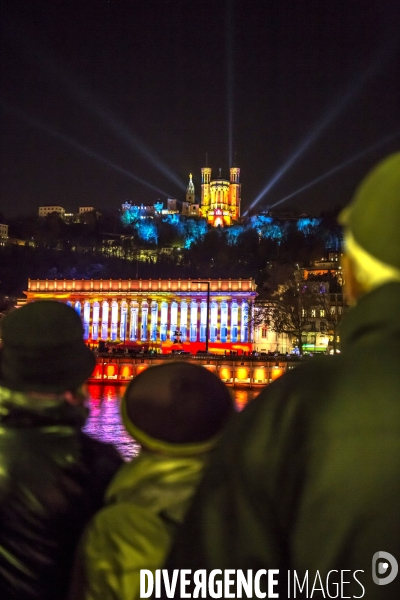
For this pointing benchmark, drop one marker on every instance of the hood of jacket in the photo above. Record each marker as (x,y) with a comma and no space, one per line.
(376,314)
(160,483)
(22,409)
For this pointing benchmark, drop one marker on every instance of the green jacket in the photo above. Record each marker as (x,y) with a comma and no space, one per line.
(307,477)
(145,503)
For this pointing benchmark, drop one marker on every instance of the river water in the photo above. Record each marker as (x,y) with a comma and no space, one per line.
(105,422)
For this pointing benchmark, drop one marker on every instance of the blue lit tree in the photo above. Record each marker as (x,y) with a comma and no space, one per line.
(194,231)
(267,227)
(232,234)
(130,215)
(147,231)
(158,206)
(308,226)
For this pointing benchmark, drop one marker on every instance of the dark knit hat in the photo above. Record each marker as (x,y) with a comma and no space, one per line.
(43,348)
(373,216)
(176,407)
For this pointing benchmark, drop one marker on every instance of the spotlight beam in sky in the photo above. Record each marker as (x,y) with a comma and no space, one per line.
(16,112)
(229,78)
(91,104)
(342,165)
(373,68)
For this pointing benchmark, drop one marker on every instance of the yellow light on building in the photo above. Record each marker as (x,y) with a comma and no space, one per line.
(276,372)
(242,373)
(259,374)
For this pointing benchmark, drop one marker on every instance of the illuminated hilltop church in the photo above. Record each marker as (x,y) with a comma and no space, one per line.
(220,198)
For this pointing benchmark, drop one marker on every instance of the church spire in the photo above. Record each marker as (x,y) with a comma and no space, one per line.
(190,187)
(190,191)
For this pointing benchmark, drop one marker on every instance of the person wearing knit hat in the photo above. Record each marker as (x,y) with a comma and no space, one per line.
(53,476)
(306,478)
(176,411)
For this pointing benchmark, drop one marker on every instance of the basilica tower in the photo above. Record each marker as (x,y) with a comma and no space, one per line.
(205,190)
(235,193)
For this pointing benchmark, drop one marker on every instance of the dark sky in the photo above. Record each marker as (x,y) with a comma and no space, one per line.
(99,97)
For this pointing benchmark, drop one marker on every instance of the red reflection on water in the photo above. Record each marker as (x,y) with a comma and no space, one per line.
(243,397)
(105,423)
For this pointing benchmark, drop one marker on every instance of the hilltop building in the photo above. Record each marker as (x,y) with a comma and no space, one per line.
(220,198)
(219,203)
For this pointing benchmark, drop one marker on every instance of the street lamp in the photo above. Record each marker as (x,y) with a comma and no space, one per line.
(208,284)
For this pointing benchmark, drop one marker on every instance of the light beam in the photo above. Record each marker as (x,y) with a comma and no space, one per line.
(16,112)
(373,68)
(342,165)
(229,78)
(90,103)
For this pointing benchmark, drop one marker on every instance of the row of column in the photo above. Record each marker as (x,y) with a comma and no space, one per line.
(154,321)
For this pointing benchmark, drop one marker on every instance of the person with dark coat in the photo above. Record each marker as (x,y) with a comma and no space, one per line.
(176,411)
(306,479)
(52,476)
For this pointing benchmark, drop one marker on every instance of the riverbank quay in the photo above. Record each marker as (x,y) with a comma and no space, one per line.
(236,371)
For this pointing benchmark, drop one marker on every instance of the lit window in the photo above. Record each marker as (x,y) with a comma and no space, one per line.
(193,321)
(95,320)
(322,312)
(234,321)
(86,320)
(224,321)
(313,312)
(184,315)
(104,321)
(203,321)
(145,313)
(114,320)
(164,321)
(134,323)
(244,330)
(124,318)
(153,321)
(174,319)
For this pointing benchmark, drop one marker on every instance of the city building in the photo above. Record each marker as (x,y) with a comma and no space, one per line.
(163,314)
(268,341)
(3,234)
(220,198)
(47,210)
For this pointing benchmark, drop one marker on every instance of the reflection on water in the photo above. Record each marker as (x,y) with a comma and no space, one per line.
(105,422)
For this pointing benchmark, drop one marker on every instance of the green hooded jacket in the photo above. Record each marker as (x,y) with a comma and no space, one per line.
(144,504)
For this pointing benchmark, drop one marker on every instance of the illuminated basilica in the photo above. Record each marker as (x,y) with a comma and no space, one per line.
(159,313)
(220,198)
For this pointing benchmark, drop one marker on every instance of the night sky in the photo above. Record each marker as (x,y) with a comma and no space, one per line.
(108,100)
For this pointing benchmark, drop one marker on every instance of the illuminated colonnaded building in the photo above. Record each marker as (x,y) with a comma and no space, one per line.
(159,313)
